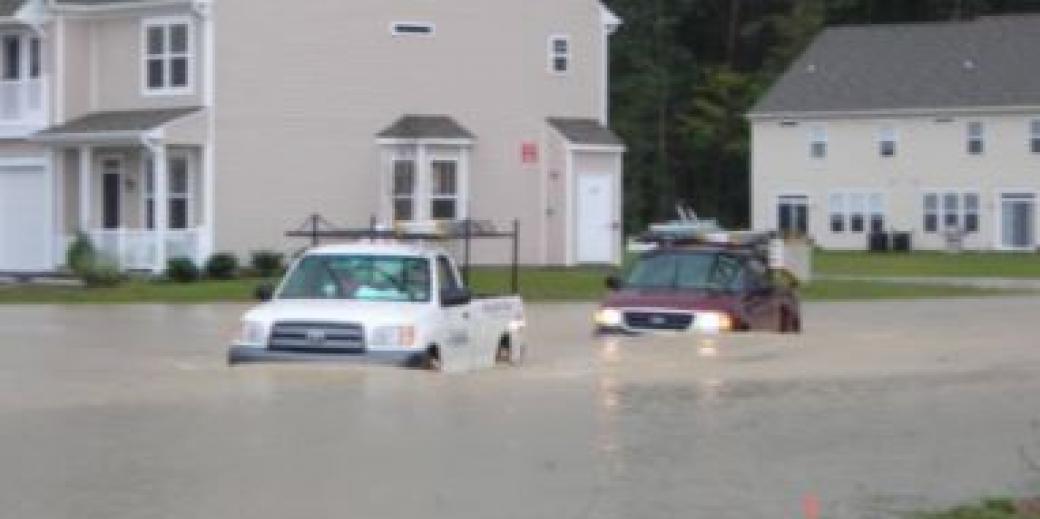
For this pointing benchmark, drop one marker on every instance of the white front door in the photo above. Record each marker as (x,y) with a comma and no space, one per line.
(25,235)
(596,221)
(1018,221)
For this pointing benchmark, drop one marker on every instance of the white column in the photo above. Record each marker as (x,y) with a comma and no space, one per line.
(421,209)
(206,230)
(162,206)
(86,157)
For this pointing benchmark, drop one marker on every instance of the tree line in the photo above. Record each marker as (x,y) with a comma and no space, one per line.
(684,73)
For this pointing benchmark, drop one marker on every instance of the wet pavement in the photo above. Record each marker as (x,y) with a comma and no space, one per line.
(130,412)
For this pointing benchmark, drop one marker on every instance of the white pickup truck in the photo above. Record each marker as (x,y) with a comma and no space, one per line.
(382,301)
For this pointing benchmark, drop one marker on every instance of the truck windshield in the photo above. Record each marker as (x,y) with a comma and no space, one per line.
(359,278)
(686,270)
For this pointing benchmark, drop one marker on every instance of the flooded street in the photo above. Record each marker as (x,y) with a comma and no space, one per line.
(131,412)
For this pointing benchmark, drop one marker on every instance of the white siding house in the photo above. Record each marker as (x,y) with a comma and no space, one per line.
(926,129)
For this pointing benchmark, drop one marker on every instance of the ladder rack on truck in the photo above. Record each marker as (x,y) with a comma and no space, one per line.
(317,228)
(790,256)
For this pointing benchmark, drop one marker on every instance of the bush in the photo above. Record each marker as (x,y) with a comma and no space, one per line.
(182,270)
(222,266)
(103,275)
(81,255)
(267,264)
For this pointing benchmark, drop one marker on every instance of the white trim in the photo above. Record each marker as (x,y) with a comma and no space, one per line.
(940,209)
(614,217)
(190,55)
(430,29)
(818,135)
(554,54)
(543,196)
(883,128)
(48,171)
(93,78)
(775,216)
(571,207)
(594,148)
(998,219)
(207,237)
(58,79)
(115,6)
(847,211)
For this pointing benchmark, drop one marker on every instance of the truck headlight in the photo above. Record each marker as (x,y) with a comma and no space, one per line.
(712,322)
(608,317)
(393,336)
(253,333)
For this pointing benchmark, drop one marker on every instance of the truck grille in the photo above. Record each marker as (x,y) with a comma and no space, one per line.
(317,337)
(658,321)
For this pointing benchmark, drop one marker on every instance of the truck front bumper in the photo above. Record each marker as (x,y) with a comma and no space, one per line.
(255,355)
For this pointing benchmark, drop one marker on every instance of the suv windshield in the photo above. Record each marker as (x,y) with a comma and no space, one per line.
(359,278)
(686,270)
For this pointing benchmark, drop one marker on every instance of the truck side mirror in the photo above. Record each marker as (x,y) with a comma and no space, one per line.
(614,283)
(264,292)
(455,297)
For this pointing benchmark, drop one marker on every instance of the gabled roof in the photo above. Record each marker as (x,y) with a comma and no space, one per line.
(425,127)
(129,121)
(589,132)
(10,7)
(989,62)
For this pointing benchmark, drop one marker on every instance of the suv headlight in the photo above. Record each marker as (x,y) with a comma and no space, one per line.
(393,336)
(712,322)
(254,333)
(608,317)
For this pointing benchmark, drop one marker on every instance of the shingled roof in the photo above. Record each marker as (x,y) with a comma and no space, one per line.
(585,131)
(425,127)
(118,121)
(988,62)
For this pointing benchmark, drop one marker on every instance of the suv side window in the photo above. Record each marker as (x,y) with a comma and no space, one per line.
(446,275)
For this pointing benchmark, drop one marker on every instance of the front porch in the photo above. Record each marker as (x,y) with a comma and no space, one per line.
(139,195)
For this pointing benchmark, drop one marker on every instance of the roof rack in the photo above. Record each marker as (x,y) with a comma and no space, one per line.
(317,228)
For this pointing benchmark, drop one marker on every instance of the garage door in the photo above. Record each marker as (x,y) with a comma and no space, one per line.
(24,222)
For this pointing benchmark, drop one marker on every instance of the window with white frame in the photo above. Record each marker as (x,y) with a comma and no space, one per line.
(976,138)
(951,211)
(168,58)
(444,193)
(887,141)
(857,212)
(1034,135)
(412,29)
(818,142)
(560,54)
(403,190)
(180,195)
(837,212)
(21,57)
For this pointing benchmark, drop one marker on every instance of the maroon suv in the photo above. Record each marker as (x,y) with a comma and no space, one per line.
(699,288)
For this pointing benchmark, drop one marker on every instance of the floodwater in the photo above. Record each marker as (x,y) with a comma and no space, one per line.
(879,408)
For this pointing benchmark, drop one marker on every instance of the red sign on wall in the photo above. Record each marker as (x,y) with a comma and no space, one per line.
(529,153)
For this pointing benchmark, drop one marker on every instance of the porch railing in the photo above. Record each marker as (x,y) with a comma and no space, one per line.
(135,249)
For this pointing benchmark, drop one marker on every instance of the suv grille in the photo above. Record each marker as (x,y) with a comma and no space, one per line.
(317,337)
(658,321)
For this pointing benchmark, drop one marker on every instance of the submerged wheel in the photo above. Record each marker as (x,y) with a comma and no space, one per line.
(433,360)
(789,323)
(506,354)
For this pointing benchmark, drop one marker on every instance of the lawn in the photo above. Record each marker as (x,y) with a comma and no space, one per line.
(536,285)
(925,264)
(989,509)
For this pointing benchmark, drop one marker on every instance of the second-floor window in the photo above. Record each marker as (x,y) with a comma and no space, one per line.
(1034,135)
(168,56)
(818,142)
(560,54)
(887,141)
(21,57)
(976,138)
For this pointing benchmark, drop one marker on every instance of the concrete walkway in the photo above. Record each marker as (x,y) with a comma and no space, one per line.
(984,283)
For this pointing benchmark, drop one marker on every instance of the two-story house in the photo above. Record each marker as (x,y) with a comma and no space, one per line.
(928,129)
(179,128)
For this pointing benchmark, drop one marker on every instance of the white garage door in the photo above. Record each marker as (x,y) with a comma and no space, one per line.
(24,222)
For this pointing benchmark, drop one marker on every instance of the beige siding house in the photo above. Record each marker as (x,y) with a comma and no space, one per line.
(179,128)
(934,132)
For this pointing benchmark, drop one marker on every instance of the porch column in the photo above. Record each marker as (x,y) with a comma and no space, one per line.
(86,156)
(161,206)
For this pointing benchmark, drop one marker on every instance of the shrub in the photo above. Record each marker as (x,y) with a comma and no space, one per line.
(102,275)
(182,270)
(222,266)
(267,263)
(81,255)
